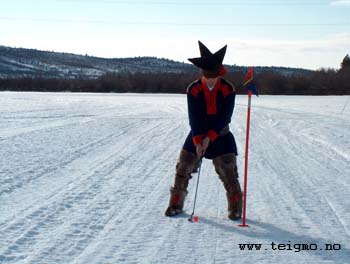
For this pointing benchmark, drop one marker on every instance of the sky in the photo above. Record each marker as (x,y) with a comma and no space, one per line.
(310,34)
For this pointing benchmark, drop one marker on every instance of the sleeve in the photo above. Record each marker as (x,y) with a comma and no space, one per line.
(229,107)
(195,118)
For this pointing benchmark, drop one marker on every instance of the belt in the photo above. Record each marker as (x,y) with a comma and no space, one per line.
(224,131)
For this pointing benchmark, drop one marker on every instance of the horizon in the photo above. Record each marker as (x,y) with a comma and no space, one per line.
(311,34)
(160,58)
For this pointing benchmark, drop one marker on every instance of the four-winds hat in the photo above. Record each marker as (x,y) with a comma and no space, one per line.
(209,63)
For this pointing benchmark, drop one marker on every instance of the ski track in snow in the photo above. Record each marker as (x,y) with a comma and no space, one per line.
(84,178)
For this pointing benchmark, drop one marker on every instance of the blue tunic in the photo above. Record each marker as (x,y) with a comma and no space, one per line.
(210,114)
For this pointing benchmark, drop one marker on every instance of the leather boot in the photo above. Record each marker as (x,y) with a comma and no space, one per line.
(186,163)
(176,203)
(225,166)
(234,201)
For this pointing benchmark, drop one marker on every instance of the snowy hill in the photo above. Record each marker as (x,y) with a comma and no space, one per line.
(85,179)
(19,62)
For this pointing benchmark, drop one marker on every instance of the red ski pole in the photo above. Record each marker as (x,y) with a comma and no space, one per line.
(246,163)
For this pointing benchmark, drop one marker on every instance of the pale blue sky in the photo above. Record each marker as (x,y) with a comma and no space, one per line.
(293,33)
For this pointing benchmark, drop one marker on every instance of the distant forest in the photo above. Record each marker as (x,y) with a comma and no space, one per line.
(321,82)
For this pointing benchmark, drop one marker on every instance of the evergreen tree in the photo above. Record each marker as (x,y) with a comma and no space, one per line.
(346,62)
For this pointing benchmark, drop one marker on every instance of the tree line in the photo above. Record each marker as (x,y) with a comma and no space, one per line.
(321,82)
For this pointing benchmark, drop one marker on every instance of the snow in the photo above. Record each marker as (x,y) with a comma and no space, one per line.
(84,178)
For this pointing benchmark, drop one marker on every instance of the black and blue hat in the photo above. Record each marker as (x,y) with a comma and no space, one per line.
(209,63)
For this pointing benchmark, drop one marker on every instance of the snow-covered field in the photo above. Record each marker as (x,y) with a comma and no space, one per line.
(84,178)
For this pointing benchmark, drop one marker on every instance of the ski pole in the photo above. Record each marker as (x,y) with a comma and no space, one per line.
(195,196)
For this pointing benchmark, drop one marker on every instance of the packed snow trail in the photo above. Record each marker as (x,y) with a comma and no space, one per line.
(84,178)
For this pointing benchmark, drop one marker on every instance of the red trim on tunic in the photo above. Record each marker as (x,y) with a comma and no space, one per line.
(195,90)
(225,90)
(210,96)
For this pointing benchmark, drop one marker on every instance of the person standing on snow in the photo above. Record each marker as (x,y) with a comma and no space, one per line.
(210,103)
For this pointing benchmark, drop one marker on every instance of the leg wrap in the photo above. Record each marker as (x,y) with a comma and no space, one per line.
(177,198)
(186,163)
(226,168)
